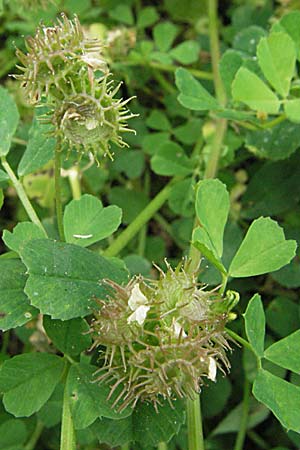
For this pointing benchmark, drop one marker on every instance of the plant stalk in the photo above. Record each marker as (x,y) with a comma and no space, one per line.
(67,437)
(22,194)
(31,444)
(194,420)
(125,237)
(200,74)
(239,443)
(58,201)
(162,446)
(74,180)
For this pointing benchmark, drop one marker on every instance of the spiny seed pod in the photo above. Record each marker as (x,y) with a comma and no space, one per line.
(69,72)
(161,338)
(54,56)
(89,119)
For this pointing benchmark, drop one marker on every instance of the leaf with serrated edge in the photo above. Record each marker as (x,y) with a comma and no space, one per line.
(28,381)
(64,279)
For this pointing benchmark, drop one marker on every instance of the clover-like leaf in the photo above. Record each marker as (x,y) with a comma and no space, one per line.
(264,249)
(255,324)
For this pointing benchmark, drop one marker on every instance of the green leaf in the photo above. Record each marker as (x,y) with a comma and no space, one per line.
(131,201)
(230,63)
(50,414)
(9,119)
(281,397)
(88,400)
(164,34)
(147,17)
(292,110)
(290,24)
(181,199)
(22,233)
(64,279)
(283,307)
(264,249)
(214,396)
(247,39)
(264,197)
(189,132)
(28,381)
(275,143)
(40,147)
(202,242)
(144,426)
(212,208)
(13,434)
(255,324)
(186,53)
(277,58)
(170,159)
(232,422)
(14,304)
(248,88)
(286,352)
(158,120)
(69,336)
(113,433)
(192,94)
(86,221)
(122,13)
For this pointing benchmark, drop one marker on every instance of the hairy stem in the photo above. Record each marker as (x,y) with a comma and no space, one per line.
(162,446)
(22,194)
(67,437)
(239,443)
(31,444)
(125,237)
(58,201)
(194,420)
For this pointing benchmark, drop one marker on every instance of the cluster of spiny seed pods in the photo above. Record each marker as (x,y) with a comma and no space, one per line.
(65,69)
(162,338)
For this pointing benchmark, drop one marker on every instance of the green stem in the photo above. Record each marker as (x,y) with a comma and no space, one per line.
(132,229)
(216,149)
(67,437)
(239,443)
(194,420)
(162,446)
(144,229)
(257,439)
(168,68)
(31,444)
(58,202)
(74,180)
(239,339)
(215,50)
(22,194)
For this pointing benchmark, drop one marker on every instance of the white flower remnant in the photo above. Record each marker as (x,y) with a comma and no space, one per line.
(178,330)
(137,298)
(212,369)
(139,315)
(138,304)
